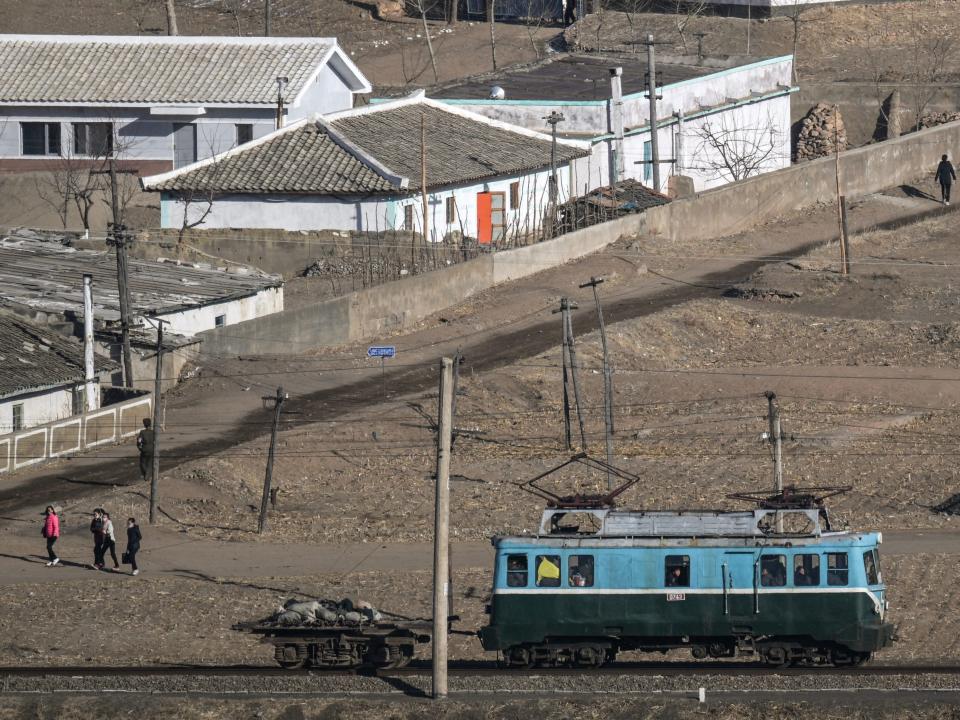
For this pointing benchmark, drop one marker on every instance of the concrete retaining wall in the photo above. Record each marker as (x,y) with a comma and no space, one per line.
(743,205)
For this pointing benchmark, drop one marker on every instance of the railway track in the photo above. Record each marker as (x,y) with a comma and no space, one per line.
(478,668)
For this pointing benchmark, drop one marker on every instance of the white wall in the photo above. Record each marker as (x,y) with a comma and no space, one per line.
(327,94)
(190,322)
(295,212)
(38,408)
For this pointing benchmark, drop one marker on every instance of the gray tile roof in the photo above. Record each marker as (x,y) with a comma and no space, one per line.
(47,276)
(34,357)
(155,70)
(305,159)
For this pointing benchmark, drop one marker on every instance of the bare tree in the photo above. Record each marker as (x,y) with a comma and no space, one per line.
(422,8)
(731,150)
(54,189)
(797,21)
(491,18)
(929,50)
(171,18)
(232,8)
(537,12)
(685,12)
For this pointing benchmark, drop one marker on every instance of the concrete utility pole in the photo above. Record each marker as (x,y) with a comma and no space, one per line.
(157,392)
(776,438)
(616,124)
(607,379)
(268,477)
(652,92)
(90,389)
(266,18)
(441,532)
(171,18)
(282,81)
(423,180)
(552,120)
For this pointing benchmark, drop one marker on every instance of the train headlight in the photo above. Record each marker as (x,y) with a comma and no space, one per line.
(879,538)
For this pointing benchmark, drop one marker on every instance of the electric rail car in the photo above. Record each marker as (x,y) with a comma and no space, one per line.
(720,584)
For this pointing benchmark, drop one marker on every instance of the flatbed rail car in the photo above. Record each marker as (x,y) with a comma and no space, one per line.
(371,645)
(717,583)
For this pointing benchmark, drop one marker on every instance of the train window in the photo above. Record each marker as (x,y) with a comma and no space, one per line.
(836,569)
(870,568)
(806,570)
(876,559)
(516,570)
(548,571)
(773,570)
(580,570)
(677,571)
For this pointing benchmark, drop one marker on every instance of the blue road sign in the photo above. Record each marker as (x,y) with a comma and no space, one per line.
(381,351)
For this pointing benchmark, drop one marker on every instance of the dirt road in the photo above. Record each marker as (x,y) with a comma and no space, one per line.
(511,322)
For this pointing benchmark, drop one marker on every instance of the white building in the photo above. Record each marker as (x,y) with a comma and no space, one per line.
(361,170)
(41,375)
(42,279)
(714,124)
(159,102)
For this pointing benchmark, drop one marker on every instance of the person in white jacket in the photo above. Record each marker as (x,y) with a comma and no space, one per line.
(109,541)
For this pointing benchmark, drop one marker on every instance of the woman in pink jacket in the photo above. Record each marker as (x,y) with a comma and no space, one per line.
(51,531)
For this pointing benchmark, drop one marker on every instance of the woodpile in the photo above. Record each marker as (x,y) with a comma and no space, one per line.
(820,131)
(938,118)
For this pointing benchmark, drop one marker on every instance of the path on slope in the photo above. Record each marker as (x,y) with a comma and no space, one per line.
(513,322)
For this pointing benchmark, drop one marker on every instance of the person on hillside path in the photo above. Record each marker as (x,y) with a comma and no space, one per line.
(945,176)
(97,528)
(145,444)
(109,541)
(51,531)
(133,544)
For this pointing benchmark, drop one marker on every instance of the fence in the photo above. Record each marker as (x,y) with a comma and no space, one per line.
(108,425)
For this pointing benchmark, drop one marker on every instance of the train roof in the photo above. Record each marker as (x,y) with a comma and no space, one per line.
(829,539)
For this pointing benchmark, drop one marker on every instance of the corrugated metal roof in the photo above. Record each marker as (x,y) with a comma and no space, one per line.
(33,357)
(48,276)
(155,70)
(460,147)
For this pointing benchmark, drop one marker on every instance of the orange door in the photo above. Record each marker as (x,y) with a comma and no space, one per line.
(484,218)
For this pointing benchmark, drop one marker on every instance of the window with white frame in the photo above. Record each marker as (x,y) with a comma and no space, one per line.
(40,138)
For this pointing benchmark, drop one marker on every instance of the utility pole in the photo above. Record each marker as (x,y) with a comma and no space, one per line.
(776,438)
(266,18)
(157,393)
(652,92)
(90,386)
(552,120)
(607,379)
(441,532)
(268,477)
(570,362)
(282,81)
(844,267)
(425,225)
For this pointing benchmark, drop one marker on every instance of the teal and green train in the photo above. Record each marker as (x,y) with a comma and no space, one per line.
(720,584)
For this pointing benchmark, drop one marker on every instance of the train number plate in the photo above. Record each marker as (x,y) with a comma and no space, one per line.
(674,597)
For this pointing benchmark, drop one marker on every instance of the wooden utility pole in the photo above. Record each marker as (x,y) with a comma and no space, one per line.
(268,477)
(266,18)
(157,393)
(553,119)
(652,92)
(607,379)
(840,201)
(425,225)
(441,532)
(776,439)
(570,365)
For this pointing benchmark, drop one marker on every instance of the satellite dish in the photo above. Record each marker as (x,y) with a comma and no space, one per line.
(497,93)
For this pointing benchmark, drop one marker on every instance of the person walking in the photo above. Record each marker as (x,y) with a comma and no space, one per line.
(109,541)
(133,544)
(945,176)
(97,528)
(51,531)
(145,444)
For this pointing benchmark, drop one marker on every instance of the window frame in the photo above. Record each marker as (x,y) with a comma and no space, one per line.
(515,195)
(837,572)
(668,567)
(220,321)
(779,561)
(45,128)
(18,418)
(408,218)
(587,564)
(870,563)
(82,140)
(511,573)
(450,210)
(813,580)
(247,128)
(548,582)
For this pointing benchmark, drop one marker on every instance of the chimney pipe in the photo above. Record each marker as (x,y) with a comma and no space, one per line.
(616,125)
(91,388)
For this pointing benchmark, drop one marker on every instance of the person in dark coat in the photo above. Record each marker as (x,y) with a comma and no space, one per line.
(133,544)
(98,528)
(945,176)
(145,444)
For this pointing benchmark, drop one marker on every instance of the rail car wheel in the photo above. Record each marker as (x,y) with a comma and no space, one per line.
(291,657)
(590,656)
(841,657)
(777,655)
(518,657)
